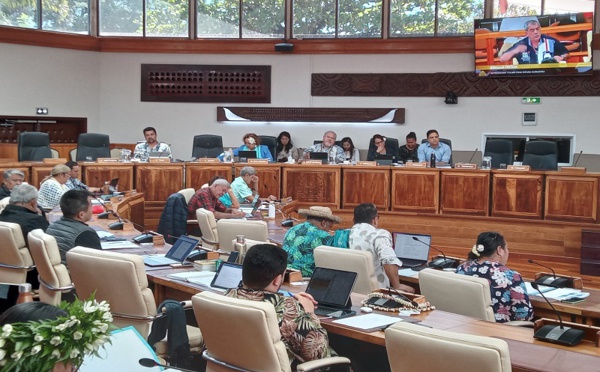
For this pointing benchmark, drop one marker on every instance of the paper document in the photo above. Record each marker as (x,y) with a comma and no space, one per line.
(555,293)
(409,273)
(369,322)
(124,244)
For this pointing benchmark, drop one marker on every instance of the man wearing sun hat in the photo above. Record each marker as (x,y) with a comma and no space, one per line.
(302,239)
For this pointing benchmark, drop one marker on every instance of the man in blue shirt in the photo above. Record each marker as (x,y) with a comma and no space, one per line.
(433,145)
(536,48)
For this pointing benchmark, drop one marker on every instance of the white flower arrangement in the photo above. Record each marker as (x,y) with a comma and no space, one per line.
(477,249)
(39,346)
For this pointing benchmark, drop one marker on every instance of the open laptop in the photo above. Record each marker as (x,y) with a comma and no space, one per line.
(319,156)
(159,154)
(177,254)
(384,159)
(228,276)
(245,155)
(331,289)
(412,253)
(251,211)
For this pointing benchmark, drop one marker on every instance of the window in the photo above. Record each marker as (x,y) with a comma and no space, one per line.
(164,18)
(56,15)
(518,8)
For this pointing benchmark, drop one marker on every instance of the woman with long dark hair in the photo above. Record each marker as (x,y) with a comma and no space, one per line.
(285,148)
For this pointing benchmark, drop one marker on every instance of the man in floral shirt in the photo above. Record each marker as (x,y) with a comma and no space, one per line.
(143,150)
(301,332)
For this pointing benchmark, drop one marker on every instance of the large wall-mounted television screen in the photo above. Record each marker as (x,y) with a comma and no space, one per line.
(548,45)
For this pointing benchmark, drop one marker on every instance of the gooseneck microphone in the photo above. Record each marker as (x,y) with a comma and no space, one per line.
(437,264)
(557,334)
(147,362)
(578,157)
(550,280)
(473,155)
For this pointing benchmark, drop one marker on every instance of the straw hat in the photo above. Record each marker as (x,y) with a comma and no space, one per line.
(320,212)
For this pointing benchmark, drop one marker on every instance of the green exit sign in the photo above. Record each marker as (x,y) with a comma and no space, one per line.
(531,100)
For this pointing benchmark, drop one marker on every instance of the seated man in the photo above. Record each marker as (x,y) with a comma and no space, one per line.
(245,187)
(71,230)
(208,198)
(301,331)
(409,151)
(300,241)
(23,210)
(328,145)
(143,150)
(365,236)
(74,183)
(433,145)
(12,178)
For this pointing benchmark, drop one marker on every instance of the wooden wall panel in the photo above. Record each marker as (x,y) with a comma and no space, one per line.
(269,178)
(571,198)
(158,180)
(415,190)
(517,194)
(366,185)
(197,174)
(465,192)
(96,174)
(312,185)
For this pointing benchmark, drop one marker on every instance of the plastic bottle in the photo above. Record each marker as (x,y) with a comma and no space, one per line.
(432,161)
(240,246)
(271,210)
(25,294)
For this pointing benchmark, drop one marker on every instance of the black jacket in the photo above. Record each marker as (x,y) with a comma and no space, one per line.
(27,219)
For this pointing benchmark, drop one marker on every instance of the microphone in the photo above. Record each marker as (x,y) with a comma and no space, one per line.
(551,280)
(438,263)
(108,212)
(473,155)
(579,156)
(557,334)
(147,362)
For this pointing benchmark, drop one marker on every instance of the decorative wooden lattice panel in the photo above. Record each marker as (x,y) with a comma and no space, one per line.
(312,114)
(464,84)
(206,83)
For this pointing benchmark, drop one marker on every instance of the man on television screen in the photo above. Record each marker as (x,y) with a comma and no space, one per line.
(536,48)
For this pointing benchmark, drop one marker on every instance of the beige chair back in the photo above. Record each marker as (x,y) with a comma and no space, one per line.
(240,333)
(412,347)
(53,275)
(208,226)
(228,229)
(15,259)
(73,154)
(118,278)
(249,244)
(4,202)
(459,294)
(187,194)
(360,262)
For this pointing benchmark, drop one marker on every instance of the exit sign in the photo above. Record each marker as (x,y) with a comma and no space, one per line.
(531,100)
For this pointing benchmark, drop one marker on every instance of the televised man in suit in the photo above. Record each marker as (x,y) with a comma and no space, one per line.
(23,210)
(143,150)
(11,178)
(536,48)
(328,145)
(433,145)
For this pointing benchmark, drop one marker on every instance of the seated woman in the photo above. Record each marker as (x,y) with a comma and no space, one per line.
(379,148)
(285,148)
(252,143)
(350,152)
(487,259)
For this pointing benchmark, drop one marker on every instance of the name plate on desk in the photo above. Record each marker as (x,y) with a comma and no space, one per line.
(412,164)
(367,163)
(312,162)
(519,167)
(258,161)
(208,160)
(107,160)
(54,160)
(465,166)
(159,160)
(574,170)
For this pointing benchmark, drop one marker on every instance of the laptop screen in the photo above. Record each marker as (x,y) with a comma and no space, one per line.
(318,155)
(331,287)
(408,248)
(247,155)
(182,248)
(228,276)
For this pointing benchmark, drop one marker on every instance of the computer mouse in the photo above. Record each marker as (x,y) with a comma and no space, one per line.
(366,309)
(288,223)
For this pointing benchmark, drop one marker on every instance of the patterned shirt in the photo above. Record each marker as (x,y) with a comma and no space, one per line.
(143,149)
(365,237)
(301,332)
(75,184)
(338,151)
(203,198)
(405,154)
(509,294)
(300,241)
(50,193)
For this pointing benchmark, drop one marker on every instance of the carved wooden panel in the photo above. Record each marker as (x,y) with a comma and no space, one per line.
(366,185)
(94,175)
(312,185)
(60,130)
(571,198)
(465,192)
(206,83)
(415,190)
(464,84)
(517,194)
(269,178)
(158,180)
(311,114)
(197,174)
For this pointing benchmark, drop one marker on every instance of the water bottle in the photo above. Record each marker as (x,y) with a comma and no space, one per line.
(25,294)
(271,210)
(240,247)
(486,162)
(432,160)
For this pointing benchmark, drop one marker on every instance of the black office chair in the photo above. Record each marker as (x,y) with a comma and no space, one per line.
(500,150)
(271,143)
(33,146)
(447,142)
(207,146)
(541,155)
(93,145)
(392,147)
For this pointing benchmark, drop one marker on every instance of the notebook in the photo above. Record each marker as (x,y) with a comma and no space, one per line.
(245,155)
(331,289)
(177,254)
(319,156)
(411,252)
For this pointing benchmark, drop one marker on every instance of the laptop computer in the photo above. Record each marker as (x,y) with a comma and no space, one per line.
(177,254)
(331,289)
(251,211)
(411,252)
(159,154)
(228,276)
(245,155)
(384,159)
(319,156)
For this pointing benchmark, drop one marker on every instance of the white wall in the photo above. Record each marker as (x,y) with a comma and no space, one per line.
(105,88)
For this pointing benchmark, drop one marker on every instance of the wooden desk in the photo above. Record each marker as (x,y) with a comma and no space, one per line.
(363,184)
(517,194)
(39,171)
(416,190)
(197,174)
(465,191)
(96,174)
(312,184)
(132,208)
(571,197)
(269,177)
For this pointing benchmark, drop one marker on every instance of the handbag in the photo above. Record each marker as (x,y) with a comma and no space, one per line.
(394,301)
